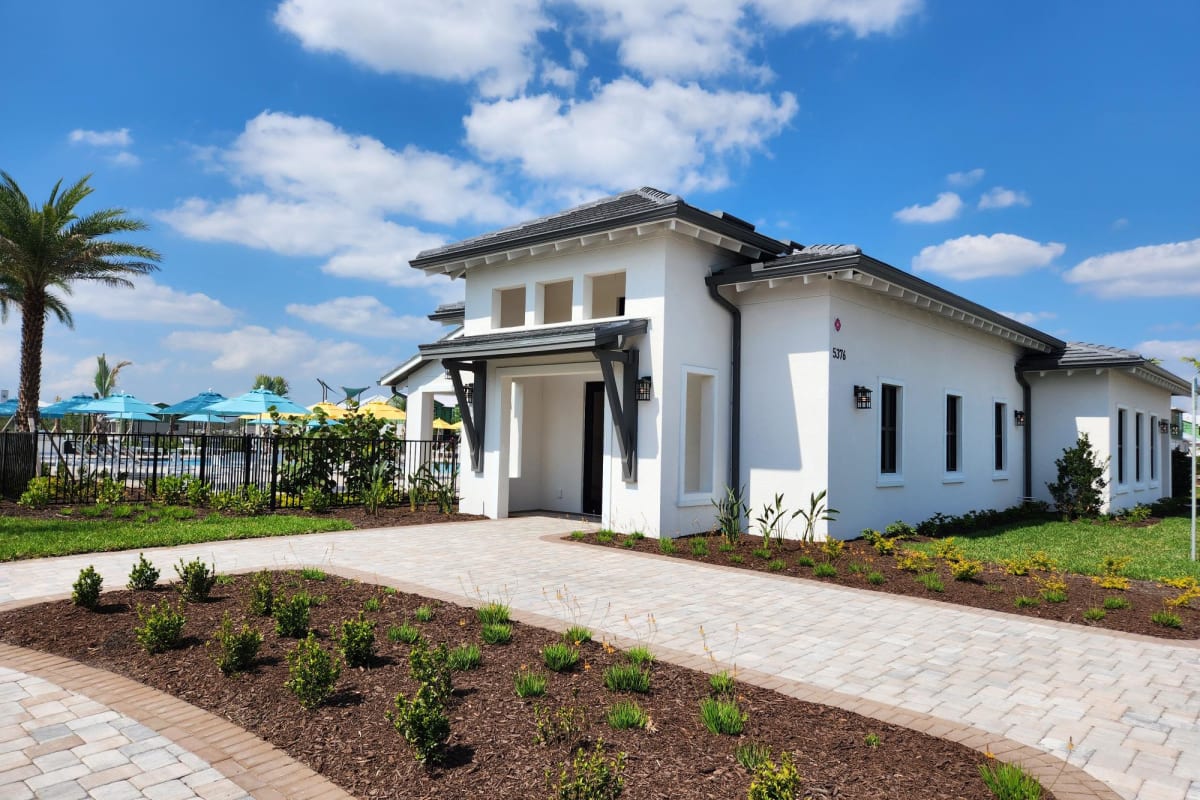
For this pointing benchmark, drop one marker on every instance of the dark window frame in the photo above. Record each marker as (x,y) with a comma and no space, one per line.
(889,429)
(1138,420)
(1000,436)
(1122,421)
(953,462)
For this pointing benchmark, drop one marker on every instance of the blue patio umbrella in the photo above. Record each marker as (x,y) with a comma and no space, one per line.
(8,407)
(256,401)
(137,416)
(196,404)
(63,407)
(204,416)
(117,404)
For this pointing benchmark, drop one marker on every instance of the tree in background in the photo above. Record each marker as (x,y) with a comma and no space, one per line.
(1077,492)
(43,250)
(272,383)
(106,376)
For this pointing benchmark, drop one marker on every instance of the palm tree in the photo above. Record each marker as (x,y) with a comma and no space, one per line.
(272,383)
(106,376)
(43,251)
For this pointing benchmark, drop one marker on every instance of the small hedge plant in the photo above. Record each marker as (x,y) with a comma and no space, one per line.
(161,627)
(357,641)
(235,650)
(313,673)
(86,589)
(196,580)
(144,575)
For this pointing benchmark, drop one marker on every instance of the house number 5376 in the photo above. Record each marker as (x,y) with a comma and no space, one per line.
(839,354)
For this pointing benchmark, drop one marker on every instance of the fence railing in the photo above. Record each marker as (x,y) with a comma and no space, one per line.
(281,466)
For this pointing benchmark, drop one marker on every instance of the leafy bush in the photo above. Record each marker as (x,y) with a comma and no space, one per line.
(38,493)
(627,678)
(408,634)
(965,569)
(913,561)
(357,641)
(262,595)
(291,615)
(196,579)
(199,493)
(590,776)
(833,548)
(496,633)
(315,500)
(172,490)
(883,545)
(529,684)
(144,575)
(423,723)
(606,536)
(161,627)
(432,668)
(109,491)
(773,782)
(493,612)
(560,656)
(313,673)
(86,589)
(627,714)
(900,530)
(722,716)
(1077,492)
(947,550)
(223,501)
(252,501)
(235,649)
(730,510)
(464,657)
(1010,782)
(563,725)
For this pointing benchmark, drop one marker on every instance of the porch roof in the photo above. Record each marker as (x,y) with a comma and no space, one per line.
(531,342)
(1080,356)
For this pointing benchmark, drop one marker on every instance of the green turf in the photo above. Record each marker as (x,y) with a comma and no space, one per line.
(1158,551)
(22,537)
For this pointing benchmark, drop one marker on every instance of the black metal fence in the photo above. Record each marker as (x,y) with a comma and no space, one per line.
(282,467)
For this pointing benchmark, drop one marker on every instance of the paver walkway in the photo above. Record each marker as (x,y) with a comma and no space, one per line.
(1130,705)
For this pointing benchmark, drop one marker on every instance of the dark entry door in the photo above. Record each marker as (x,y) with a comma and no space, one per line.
(593,447)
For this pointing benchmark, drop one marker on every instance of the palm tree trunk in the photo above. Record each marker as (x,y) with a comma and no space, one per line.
(33,329)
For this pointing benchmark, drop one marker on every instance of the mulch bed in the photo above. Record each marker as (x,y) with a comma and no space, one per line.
(492,749)
(992,589)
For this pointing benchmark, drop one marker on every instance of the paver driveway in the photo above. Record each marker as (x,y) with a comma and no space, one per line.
(1131,705)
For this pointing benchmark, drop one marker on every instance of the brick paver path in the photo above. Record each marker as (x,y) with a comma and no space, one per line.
(1130,705)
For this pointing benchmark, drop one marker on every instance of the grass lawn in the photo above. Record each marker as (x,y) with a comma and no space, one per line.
(24,537)
(1158,551)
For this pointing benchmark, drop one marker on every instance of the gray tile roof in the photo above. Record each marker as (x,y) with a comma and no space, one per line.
(448,312)
(525,341)
(638,205)
(1083,355)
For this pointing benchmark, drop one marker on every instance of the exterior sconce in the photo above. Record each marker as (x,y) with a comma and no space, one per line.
(862,397)
(1019,418)
(1176,431)
(1163,426)
(644,385)
(469,392)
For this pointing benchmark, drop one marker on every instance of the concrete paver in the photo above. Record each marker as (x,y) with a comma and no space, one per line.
(1037,683)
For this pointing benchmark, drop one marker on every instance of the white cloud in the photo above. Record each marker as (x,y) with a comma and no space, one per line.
(114,138)
(283,350)
(1001,254)
(1120,223)
(967,178)
(364,316)
(1030,317)
(1172,353)
(148,301)
(861,17)
(489,41)
(947,206)
(999,197)
(124,159)
(1157,270)
(629,134)
(558,76)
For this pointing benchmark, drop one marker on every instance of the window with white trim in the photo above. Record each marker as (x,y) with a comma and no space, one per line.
(1153,448)
(1138,419)
(890,421)
(953,433)
(1121,425)
(1000,437)
(508,307)
(698,432)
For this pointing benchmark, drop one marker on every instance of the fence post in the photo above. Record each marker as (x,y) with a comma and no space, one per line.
(154,468)
(3,464)
(274,468)
(203,453)
(247,451)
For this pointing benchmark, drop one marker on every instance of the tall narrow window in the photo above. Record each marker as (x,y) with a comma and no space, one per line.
(1121,414)
(1154,448)
(1138,419)
(698,433)
(1000,438)
(889,430)
(953,432)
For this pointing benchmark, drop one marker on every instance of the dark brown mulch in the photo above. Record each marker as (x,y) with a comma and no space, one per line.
(992,589)
(492,749)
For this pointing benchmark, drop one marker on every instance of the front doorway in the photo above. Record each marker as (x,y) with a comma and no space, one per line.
(593,447)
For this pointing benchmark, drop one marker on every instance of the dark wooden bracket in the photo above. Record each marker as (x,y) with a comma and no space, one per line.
(474,414)
(622,404)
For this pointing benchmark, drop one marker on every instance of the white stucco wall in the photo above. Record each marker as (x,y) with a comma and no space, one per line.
(550,455)
(1136,397)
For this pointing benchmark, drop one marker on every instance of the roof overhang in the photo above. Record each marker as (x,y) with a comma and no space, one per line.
(1142,370)
(868,273)
(539,341)
(402,372)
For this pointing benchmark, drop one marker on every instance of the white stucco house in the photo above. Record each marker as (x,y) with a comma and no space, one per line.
(632,357)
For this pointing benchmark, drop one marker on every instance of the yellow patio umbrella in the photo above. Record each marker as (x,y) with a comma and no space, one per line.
(440,424)
(332,411)
(382,411)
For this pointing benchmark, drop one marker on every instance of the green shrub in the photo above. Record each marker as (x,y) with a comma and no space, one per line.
(722,716)
(313,574)
(492,613)
(223,501)
(1116,603)
(900,530)
(291,615)
(235,649)
(161,627)
(86,589)
(589,776)
(699,547)
(605,536)
(38,493)
(872,740)
(805,561)
(313,673)
(356,640)
(627,678)
(750,755)
(262,595)
(722,683)
(1167,619)
(315,500)
(825,570)
(196,580)
(1095,614)
(252,501)
(640,655)
(465,657)
(423,614)
(931,581)
(577,634)
(496,633)
(563,725)
(776,565)
(964,569)
(627,714)
(1056,596)
(666,546)
(560,656)
(409,634)
(144,575)
(372,604)
(773,782)
(1077,492)
(199,493)
(578,535)
(875,578)
(1025,602)
(730,510)
(423,723)
(764,553)
(171,490)
(1010,782)
(529,684)
(109,491)
(121,512)
(432,668)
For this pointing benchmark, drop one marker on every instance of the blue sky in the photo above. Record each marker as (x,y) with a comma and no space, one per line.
(1040,157)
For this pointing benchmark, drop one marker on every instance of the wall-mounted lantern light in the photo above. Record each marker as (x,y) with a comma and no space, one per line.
(469,392)
(1176,423)
(1164,426)
(1019,417)
(862,397)
(644,385)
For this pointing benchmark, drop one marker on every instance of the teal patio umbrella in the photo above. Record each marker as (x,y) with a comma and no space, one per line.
(258,402)
(195,405)
(61,408)
(120,403)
